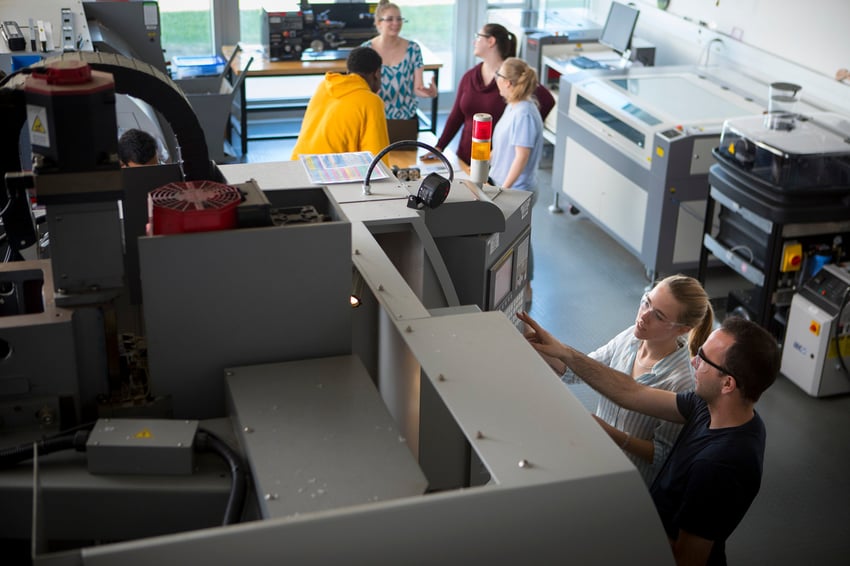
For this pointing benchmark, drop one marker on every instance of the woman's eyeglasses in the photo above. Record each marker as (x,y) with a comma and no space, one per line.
(392,19)
(501,76)
(480,35)
(646,305)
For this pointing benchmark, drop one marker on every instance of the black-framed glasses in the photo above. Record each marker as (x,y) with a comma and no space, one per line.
(646,305)
(500,75)
(479,34)
(391,19)
(701,356)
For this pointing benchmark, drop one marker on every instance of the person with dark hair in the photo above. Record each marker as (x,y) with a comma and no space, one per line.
(345,114)
(137,148)
(714,471)
(478,91)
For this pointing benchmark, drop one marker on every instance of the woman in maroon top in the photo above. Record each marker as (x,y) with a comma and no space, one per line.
(477,90)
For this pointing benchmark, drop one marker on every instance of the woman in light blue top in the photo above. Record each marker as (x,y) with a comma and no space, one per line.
(518,135)
(654,352)
(401,75)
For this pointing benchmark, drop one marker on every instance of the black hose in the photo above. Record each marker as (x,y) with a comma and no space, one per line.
(10,457)
(207,441)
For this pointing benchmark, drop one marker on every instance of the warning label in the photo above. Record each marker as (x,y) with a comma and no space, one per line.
(38,125)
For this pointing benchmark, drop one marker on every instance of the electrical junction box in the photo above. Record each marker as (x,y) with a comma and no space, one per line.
(811,351)
(142,446)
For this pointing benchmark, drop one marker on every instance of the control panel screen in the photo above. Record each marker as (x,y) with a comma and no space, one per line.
(501,276)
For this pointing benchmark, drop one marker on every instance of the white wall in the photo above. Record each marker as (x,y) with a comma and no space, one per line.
(803,42)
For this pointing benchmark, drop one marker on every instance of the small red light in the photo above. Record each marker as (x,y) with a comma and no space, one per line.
(482,126)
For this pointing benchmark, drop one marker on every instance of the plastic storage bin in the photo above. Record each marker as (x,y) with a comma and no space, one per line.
(200,66)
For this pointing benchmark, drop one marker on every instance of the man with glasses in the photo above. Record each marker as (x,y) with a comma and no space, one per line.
(714,470)
(672,321)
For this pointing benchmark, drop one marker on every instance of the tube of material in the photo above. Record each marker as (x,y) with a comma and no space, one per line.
(479,161)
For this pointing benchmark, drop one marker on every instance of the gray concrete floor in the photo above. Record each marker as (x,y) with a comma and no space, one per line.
(587,288)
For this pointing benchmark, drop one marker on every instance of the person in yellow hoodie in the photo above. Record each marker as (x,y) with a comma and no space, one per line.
(346,114)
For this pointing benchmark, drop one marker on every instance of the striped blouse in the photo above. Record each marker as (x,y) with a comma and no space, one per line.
(673,373)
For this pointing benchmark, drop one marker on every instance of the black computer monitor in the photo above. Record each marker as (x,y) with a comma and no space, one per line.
(617,33)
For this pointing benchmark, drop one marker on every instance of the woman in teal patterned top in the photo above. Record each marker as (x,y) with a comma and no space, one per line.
(401,75)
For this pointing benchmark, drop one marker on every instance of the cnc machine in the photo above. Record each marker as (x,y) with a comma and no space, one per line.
(412,429)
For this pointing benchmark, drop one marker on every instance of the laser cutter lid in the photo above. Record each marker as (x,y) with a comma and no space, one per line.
(813,153)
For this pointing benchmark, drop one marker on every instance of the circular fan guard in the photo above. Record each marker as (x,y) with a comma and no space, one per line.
(194,206)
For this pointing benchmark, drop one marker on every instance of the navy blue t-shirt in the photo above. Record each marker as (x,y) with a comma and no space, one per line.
(711,476)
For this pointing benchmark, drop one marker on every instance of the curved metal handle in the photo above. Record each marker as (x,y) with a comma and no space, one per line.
(405,143)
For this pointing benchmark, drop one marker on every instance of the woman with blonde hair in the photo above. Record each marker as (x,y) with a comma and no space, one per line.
(673,321)
(401,74)
(518,135)
(477,91)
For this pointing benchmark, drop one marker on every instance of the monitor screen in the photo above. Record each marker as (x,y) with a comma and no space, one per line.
(501,277)
(617,33)
(521,262)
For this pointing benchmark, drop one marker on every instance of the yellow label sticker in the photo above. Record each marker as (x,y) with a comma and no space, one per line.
(38,127)
(659,151)
(144,433)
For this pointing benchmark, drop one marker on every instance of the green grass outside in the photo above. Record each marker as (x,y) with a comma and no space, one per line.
(186,33)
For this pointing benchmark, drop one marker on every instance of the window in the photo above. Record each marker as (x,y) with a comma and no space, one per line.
(523,14)
(186,27)
(251,14)
(564,4)
(431,24)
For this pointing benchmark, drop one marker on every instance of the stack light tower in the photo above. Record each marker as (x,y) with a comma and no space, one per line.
(482,133)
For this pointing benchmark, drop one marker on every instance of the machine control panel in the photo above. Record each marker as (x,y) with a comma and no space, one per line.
(285,35)
(828,288)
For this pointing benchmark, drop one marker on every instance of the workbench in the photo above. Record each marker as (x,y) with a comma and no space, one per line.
(263,67)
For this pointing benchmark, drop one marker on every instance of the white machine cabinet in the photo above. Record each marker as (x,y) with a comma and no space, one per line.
(810,356)
(633,150)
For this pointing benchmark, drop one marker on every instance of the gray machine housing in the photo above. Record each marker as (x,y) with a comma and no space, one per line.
(645,185)
(200,318)
(811,348)
(131,29)
(471,258)
(536,43)
(251,330)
